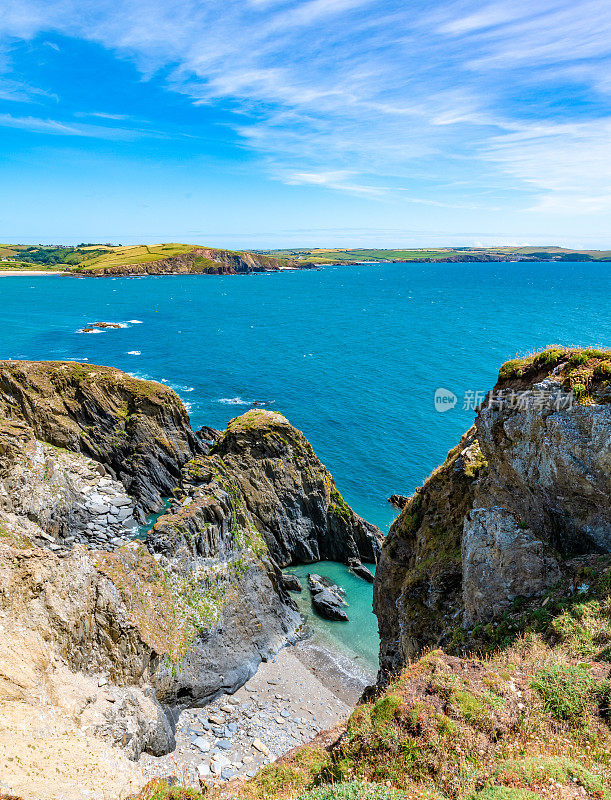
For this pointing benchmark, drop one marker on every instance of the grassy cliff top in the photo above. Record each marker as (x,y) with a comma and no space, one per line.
(257,419)
(85,256)
(48,377)
(583,370)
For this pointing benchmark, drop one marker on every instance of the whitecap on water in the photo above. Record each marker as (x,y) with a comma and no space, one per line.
(134,352)
(234,401)
(135,321)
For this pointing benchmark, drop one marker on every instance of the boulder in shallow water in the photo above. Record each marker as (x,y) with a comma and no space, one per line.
(329,605)
(316,583)
(361,571)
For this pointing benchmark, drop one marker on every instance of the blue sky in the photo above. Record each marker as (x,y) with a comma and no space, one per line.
(262,123)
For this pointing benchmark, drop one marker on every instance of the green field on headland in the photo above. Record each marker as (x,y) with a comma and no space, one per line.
(109,259)
(338,255)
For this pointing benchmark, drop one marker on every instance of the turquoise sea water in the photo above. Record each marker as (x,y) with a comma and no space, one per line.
(359,636)
(352,355)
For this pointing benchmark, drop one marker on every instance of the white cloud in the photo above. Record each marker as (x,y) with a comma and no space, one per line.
(58,128)
(352,94)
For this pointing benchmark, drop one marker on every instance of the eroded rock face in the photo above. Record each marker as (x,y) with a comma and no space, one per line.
(501,560)
(79,618)
(527,489)
(290,495)
(138,429)
(199,260)
(56,498)
(146,630)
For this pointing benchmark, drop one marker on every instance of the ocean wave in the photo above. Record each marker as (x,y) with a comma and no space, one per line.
(134,352)
(234,401)
(94,330)
(135,321)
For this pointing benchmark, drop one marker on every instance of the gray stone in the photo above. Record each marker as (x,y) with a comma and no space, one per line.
(122,501)
(202,744)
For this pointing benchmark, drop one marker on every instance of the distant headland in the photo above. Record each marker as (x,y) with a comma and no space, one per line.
(104,260)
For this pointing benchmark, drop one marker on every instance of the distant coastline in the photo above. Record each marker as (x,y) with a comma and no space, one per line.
(107,260)
(10,273)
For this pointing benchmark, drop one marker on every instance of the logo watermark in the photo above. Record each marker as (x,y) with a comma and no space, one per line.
(444,400)
(532,399)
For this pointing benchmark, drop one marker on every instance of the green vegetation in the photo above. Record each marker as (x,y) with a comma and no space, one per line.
(353,791)
(568,692)
(339,255)
(579,370)
(17,539)
(506,793)
(170,610)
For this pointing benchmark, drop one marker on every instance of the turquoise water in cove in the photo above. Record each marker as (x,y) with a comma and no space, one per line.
(352,355)
(359,636)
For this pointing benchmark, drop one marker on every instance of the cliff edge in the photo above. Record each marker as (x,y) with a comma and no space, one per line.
(197,261)
(514,511)
(124,629)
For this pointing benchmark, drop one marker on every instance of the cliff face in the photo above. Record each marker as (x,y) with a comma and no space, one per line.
(150,627)
(139,430)
(200,260)
(291,496)
(525,492)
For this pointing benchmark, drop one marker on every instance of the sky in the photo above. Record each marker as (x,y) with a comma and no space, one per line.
(332,123)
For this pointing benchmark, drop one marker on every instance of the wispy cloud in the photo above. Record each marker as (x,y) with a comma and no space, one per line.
(59,128)
(370,96)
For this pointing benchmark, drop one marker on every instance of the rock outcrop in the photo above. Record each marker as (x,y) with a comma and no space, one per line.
(327,598)
(148,628)
(199,260)
(527,489)
(139,430)
(290,495)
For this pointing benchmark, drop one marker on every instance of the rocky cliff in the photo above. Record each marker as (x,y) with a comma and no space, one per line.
(518,502)
(149,627)
(291,496)
(138,430)
(198,261)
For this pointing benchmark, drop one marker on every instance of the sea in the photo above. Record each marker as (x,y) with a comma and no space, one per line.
(353,356)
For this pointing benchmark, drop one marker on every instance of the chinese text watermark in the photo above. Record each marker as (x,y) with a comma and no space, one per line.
(531,399)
